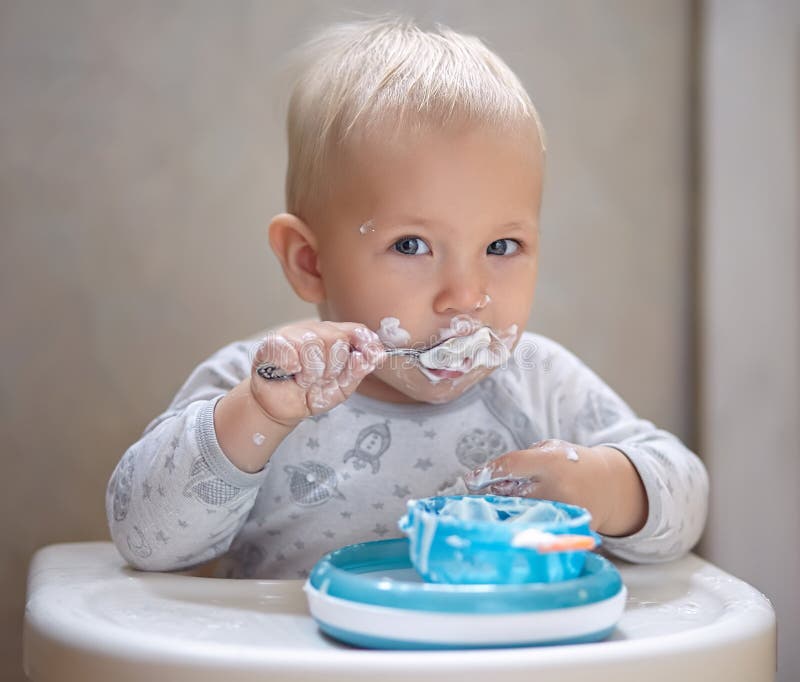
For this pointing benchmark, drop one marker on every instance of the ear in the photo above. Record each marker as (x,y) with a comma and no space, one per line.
(295,245)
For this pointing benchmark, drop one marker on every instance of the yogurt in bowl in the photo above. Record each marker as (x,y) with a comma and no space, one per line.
(488,539)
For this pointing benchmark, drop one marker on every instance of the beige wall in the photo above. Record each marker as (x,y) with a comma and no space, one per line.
(751,301)
(142,154)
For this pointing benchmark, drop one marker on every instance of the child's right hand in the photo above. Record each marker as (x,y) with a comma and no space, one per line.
(328,359)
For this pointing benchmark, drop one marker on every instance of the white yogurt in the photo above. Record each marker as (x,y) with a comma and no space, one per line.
(392,334)
(462,353)
(368,226)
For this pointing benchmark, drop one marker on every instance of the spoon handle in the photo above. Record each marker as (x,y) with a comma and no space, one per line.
(411,352)
(272,372)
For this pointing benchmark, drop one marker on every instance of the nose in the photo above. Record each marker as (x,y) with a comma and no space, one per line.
(462,288)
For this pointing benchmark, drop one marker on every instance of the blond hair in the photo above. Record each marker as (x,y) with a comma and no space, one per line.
(390,76)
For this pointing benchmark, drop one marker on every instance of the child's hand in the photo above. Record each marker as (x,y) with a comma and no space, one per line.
(328,360)
(601,479)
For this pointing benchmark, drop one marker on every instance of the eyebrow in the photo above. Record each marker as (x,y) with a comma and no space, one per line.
(411,221)
(517,224)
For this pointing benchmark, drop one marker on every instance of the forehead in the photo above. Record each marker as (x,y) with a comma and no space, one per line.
(438,173)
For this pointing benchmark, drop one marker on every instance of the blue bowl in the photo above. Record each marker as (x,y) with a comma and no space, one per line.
(467,539)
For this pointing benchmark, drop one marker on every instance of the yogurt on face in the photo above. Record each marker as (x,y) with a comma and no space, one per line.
(460,325)
(392,334)
(464,353)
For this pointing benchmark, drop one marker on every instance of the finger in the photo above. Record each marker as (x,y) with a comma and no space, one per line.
(339,353)
(327,351)
(276,350)
(330,392)
(322,397)
(368,343)
(311,353)
(512,465)
(556,448)
(353,373)
(515,487)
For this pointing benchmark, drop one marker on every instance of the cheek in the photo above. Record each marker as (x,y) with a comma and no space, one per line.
(516,294)
(349,282)
(368,298)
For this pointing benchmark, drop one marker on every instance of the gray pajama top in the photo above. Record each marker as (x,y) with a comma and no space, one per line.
(175,500)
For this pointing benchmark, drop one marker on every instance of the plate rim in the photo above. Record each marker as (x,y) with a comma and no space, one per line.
(340,575)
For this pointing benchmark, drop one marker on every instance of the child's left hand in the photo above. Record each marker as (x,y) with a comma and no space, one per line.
(600,479)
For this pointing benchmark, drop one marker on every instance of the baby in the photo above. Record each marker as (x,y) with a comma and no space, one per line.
(413,190)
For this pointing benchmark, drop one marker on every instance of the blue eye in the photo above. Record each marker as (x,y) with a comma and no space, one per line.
(503,247)
(411,246)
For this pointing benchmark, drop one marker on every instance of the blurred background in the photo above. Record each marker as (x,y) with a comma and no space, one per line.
(142,155)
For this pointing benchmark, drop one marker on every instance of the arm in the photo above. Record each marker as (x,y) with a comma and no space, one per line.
(175,499)
(647,492)
(183,491)
(673,478)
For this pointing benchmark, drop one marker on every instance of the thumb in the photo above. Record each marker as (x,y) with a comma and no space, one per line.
(510,467)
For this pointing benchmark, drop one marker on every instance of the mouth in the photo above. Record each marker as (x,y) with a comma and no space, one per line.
(435,375)
(460,354)
(450,373)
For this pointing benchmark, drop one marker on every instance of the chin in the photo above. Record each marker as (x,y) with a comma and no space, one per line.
(435,392)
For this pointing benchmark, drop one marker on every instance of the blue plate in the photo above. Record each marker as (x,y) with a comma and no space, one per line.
(370,595)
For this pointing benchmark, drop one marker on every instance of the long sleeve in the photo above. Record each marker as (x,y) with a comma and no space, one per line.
(174,499)
(588,412)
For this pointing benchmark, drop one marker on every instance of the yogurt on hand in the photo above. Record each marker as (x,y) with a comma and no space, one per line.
(461,354)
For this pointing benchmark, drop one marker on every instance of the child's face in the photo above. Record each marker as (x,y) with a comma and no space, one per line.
(441,234)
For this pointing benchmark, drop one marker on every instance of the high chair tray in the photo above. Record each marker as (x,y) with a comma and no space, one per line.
(370,595)
(89,617)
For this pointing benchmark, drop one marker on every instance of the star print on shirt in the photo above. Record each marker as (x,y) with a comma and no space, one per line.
(401,491)
(169,461)
(423,463)
(380,529)
(430,434)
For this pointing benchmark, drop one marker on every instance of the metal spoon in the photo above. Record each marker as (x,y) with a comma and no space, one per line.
(271,372)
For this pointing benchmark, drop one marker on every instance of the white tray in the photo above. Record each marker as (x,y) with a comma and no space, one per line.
(89,617)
